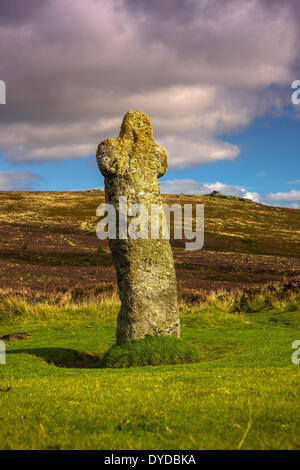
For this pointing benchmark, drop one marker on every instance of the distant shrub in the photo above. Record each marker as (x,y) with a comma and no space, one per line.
(150,351)
(101,249)
(25,246)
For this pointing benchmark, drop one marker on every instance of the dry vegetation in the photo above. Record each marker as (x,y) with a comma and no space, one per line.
(239,309)
(48,244)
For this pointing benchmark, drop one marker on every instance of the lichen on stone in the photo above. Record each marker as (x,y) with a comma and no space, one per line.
(131,165)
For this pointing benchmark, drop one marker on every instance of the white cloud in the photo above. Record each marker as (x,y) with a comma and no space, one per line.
(292,196)
(190,186)
(17,181)
(293,182)
(199,70)
(186,151)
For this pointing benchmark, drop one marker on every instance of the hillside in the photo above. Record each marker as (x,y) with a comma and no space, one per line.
(57,390)
(48,243)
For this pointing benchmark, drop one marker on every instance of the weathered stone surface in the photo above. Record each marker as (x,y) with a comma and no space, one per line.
(131,165)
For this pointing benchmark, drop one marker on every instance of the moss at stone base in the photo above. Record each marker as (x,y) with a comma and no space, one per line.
(150,351)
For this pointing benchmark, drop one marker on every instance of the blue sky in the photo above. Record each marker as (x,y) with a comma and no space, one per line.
(269,162)
(269,158)
(216,85)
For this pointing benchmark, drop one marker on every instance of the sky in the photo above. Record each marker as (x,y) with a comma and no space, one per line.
(214,76)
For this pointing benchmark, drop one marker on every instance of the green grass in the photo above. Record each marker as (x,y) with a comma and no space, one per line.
(150,351)
(243,392)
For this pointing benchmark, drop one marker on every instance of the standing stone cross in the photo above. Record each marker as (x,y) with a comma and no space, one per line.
(147,284)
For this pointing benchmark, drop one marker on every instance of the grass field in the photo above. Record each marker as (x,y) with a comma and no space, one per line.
(240,308)
(48,243)
(243,394)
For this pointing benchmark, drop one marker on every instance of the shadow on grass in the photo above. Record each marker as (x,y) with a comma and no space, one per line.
(63,357)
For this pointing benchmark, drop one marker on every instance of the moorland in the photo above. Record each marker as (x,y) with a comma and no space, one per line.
(239,307)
